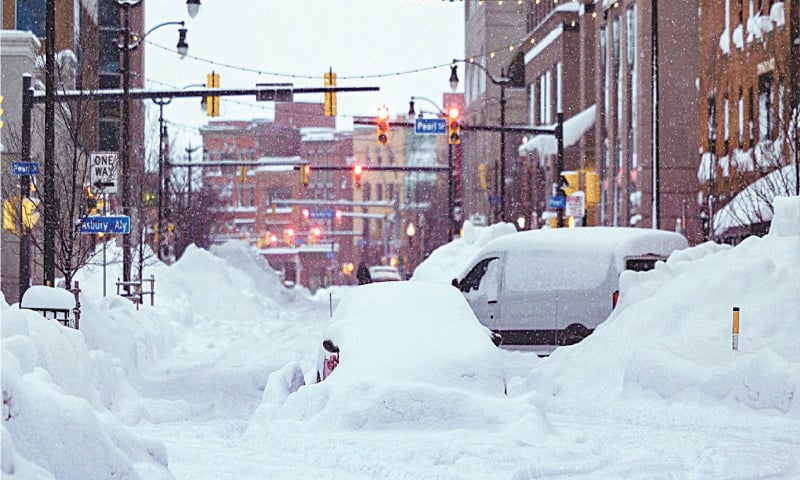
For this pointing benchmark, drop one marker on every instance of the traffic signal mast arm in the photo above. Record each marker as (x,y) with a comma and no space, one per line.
(477,128)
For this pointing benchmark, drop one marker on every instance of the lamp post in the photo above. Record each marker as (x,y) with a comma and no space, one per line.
(450,167)
(126,46)
(501,82)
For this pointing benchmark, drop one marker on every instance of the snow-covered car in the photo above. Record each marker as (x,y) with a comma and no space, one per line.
(410,332)
(384,273)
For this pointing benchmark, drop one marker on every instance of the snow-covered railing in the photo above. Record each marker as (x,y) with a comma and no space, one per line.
(52,303)
(136,295)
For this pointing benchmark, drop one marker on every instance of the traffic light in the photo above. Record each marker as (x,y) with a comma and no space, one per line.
(569,183)
(91,200)
(305,172)
(357,171)
(212,101)
(453,126)
(315,233)
(382,121)
(242,174)
(483,176)
(288,236)
(330,97)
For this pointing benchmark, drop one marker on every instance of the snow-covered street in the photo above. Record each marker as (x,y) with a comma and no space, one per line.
(180,390)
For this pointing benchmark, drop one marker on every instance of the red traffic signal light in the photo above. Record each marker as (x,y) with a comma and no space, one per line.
(382,121)
(453,126)
(357,171)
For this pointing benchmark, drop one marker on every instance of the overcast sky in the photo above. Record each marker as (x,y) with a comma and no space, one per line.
(238,38)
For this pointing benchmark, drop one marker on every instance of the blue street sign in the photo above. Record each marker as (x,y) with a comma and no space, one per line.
(110,224)
(494,199)
(321,214)
(330,255)
(430,126)
(24,168)
(362,243)
(557,202)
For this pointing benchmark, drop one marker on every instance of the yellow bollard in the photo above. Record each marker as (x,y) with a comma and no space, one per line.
(735,329)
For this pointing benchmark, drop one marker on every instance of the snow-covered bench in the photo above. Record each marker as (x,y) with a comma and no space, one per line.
(54,303)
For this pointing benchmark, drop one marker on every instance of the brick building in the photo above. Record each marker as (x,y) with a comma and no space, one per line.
(749,93)
(298,239)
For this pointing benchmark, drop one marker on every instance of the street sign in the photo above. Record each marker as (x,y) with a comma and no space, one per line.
(24,168)
(330,255)
(430,126)
(494,199)
(558,202)
(109,224)
(576,204)
(321,214)
(274,92)
(103,171)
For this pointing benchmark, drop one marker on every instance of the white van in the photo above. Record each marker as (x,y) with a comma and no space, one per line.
(542,288)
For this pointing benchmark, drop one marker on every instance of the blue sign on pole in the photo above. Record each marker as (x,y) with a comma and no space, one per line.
(494,199)
(430,126)
(557,202)
(24,168)
(321,214)
(109,224)
(330,255)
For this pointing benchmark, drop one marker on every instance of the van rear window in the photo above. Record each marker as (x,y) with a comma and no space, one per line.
(641,264)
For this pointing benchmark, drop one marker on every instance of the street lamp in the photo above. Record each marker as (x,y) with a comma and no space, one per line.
(126,46)
(501,82)
(450,167)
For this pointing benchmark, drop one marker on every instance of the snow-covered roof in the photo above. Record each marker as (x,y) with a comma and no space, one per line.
(622,241)
(574,128)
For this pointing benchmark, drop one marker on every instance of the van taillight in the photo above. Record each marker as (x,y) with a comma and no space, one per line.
(615,299)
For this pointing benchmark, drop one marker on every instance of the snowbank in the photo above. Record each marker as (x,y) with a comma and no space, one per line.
(670,336)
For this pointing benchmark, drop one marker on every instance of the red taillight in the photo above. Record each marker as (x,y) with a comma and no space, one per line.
(614,299)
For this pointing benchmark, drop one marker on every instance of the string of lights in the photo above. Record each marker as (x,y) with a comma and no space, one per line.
(300,76)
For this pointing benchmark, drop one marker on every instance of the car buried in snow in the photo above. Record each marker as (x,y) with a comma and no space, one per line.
(410,332)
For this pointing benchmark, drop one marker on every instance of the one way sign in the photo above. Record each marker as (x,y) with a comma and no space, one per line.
(103,171)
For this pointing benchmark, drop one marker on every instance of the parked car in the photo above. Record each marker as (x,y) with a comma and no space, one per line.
(416,332)
(384,273)
(543,288)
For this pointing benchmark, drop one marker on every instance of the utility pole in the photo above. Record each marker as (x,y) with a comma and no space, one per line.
(50,214)
(25,188)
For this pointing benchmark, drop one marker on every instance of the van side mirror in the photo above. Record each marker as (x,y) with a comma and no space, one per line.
(455,283)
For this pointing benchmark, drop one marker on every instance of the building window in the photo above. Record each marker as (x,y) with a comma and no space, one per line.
(31,16)
(740,109)
(765,107)
(711,124)
(559,84)
(750,118)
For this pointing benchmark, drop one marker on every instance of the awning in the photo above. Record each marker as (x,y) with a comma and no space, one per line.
(574,128)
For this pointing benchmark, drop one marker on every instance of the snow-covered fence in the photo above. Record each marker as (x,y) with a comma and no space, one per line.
(55,303)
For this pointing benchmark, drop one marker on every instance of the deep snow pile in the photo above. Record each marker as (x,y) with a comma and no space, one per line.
(670,337)
(70,397)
